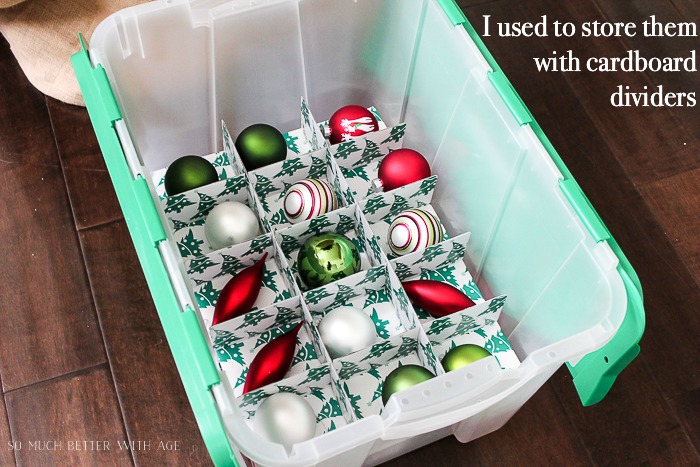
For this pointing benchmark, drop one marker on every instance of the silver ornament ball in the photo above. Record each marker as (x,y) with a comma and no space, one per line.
(285,418)
(230,223)
(346,330)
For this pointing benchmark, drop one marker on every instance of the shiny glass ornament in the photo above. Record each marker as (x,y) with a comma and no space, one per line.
(188,173)
(307,199)
(285,418)
(349,122)
(346,330)
(230,223)
(414,230)
(463,355)
(404,377)
(272,361)
(240,292)
(435,297)
(401,167)
(260,145)
(327,257)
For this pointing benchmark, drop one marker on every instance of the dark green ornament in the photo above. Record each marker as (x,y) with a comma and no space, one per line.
(260,145)
(188,173)
(463,355)
(404,377)
(327,257)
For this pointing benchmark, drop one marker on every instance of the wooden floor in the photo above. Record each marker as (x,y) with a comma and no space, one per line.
(83,356)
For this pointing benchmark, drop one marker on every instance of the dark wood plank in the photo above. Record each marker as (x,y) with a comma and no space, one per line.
(648,141)
(90,189)
(77,422)
(534,425)
(25,130)
(7,455)
(50,327)
(633,425)
(689,403)
(153,400)
(689,9)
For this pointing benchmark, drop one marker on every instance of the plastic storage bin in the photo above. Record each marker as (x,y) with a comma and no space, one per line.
(159,79)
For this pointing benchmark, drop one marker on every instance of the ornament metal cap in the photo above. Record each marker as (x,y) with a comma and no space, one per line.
(325,130)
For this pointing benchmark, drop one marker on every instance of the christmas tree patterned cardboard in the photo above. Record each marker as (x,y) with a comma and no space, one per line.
(209,274)
(359,158)
(362,373)
(187,213)
(341,221)
(477,325)
(220,160)
(238,341)
(272,182)
(316,387)
(443,262)
(381,209)
(369,291)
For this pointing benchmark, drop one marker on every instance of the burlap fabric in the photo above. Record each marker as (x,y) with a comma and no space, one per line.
(43,34)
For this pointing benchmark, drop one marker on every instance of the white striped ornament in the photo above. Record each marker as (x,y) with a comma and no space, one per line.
(413,230)
(307,199)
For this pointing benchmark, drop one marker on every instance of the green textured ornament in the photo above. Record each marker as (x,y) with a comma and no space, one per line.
(463,355)
(404,377)
(260,145)
(327,257)
(188,173)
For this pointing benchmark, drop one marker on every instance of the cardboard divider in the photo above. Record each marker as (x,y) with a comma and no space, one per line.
(362,373)
(477,325)
(209,274)
(237,342)
(369,291)
(187,212)
(342,221)
(272,182)
(359,158)
(316,386)
(220,160)
(381,209)
(443,262)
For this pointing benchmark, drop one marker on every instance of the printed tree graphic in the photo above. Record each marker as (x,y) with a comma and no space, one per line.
(305,353)
(227,348)
(175,204)
(254,318)
(233,186)
(354,401)
(426,187)
(380,325)
(206,296)
(456,254)
(316,295)
(190,246)
(290,167)
(370,153)
(315,375)
(240,381)
(178,225)
(291,142)
(317,393)
(399,205)
(206,204)
(402,270)
(221,160)
(430,253)
(438,326)
(375,296)
(377,394)
(408,346)
(445,274)
(330,409)
(230,266)
(374,204)
(345,224)
(318,168)
(379,349)
(345,149)
(259,245)
(396,134)
(199,265)
(356,173)
(268,279)
(373,275)
(497,343)
(349,369)
(467,324)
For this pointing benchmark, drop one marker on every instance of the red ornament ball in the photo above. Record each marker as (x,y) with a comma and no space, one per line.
(351,122)
(402,167)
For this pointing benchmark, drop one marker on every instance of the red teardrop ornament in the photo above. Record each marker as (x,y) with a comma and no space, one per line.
(272,361)
(350,122)
(240,293)
(402,167)
(437,298)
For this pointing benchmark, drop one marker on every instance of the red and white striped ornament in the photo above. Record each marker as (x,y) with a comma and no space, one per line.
(307,199)
(413,230)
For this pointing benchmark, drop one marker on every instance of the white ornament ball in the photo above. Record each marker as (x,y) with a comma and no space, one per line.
(230,223)
(285,418)
(307,199)
(413,230)
(346,330)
